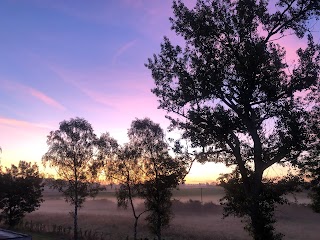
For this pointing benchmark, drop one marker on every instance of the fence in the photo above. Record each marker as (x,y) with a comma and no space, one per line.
(84,234)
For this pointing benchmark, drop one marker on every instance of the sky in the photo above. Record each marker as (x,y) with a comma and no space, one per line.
(61,59)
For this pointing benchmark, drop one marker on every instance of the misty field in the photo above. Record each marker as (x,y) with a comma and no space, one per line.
(192,219)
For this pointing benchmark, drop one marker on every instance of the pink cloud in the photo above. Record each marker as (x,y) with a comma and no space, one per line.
(44,98)
(34,93)
(121,96)
(21,124)
(104,79)
(123,103)
(98,97)
(22,140)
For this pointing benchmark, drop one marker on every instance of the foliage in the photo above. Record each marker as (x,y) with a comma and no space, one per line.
(85,189)
(124,168)
(161,172)
(310,163)
(145,170)
(234,96)
(21,192)
(76,153)
(274,191)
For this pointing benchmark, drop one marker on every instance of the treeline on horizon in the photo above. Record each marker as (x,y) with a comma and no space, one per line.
(142,168)
(233,96)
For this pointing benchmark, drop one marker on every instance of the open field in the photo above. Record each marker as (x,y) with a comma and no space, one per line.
(192,220)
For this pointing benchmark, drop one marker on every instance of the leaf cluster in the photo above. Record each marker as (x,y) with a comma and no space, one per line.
(77,154)
(274,192)
(21,191)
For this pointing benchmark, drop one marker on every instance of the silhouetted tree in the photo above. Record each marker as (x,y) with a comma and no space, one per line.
(21,192)
(310,164)
(0,161)
(235,202)
(233,94)
(76,153)
(128,171)
(161,172)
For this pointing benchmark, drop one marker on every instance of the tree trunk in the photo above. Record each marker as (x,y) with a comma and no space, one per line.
(260,218)
(159,227)
(257,224)
(10,219)
(133,209)
(75,217)
(75,222)
(135,228)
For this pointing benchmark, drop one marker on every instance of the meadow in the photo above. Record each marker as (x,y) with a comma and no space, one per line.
(192,219)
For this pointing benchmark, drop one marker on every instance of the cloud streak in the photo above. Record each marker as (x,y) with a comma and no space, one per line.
(45,99)
(21,124)
(123,49)
(34,93)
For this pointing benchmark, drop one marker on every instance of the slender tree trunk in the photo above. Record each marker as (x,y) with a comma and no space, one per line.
(75,230)
(76,202)
(75,222)
(159,227)
(10,220)
(135,232)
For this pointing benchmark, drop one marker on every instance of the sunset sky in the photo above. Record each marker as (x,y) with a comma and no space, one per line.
(61,59)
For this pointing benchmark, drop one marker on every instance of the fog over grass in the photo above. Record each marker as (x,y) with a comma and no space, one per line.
(192,219)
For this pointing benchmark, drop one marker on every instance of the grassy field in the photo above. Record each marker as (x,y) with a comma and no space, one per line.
(192,220)
(45,236)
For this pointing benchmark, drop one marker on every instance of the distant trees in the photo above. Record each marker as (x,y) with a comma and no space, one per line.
(235,97)
(145,169)
(21,192)
(76,153)
(127,170)
(161,172)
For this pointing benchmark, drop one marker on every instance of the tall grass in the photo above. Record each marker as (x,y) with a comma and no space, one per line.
(192,219)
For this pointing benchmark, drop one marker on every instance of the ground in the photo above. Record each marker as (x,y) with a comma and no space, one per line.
(192,220)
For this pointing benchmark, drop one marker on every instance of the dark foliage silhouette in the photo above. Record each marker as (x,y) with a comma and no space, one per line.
(128,171)
(76,153)
(150,173)
(310,164)
(234,96)
(21,192)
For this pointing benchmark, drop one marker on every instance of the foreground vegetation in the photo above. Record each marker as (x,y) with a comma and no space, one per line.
(234,98)
(227,85)
(192,220)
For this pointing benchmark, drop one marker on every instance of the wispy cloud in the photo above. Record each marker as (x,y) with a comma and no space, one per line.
(21,124)
(118,81)
(22,140)
(123,49)
(13,86)
(99,97)
(45,99)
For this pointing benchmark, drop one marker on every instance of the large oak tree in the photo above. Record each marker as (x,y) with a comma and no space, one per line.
(232,93)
